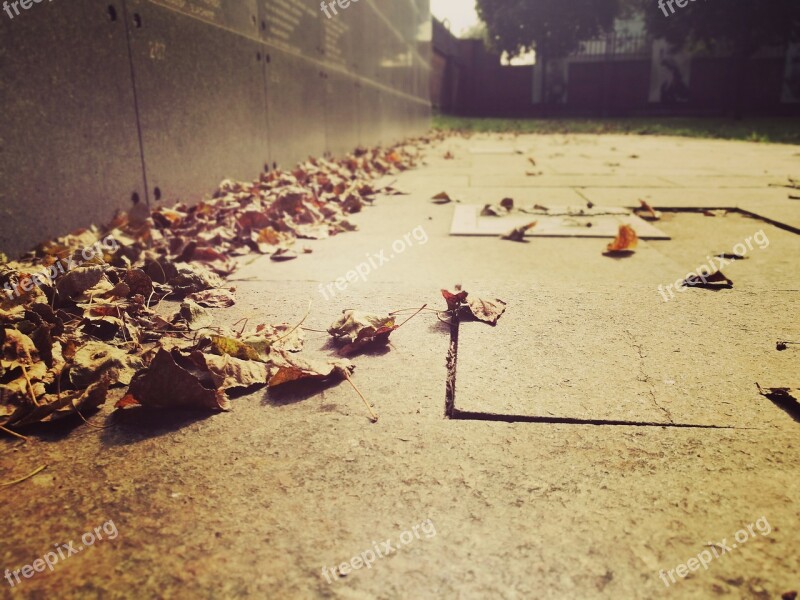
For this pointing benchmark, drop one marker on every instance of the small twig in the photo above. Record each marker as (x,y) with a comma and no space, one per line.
(244,325)
(314,330)
(369,408)
(403,310)
(14,433)
(87,422)
(424,306)
(447,312)
(288,333)
(30,385)
(21,479)
(122,318)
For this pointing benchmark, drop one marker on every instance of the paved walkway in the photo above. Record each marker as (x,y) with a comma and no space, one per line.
(266,500)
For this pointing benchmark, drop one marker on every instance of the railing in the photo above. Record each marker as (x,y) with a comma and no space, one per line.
(616,45)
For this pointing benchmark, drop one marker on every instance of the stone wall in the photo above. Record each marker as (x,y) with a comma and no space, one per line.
(105,103)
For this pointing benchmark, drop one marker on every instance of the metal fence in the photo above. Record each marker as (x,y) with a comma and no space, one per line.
(615,44)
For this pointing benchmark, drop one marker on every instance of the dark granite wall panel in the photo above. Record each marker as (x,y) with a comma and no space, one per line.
(164,98)
(341,114)
(69,151)
(240,16)
(296,108)
(202,102)
(370,128)
(293,26)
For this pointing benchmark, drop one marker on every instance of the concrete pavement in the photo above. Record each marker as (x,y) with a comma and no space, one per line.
(259,501)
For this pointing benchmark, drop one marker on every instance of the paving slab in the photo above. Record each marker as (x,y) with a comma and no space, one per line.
(611,355)
(559,221)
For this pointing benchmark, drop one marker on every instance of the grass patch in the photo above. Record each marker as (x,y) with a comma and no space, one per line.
(762,130)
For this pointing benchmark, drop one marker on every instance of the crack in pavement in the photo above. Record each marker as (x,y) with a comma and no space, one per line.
(645,378)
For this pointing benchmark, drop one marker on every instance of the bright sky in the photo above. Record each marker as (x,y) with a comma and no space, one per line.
(460,13)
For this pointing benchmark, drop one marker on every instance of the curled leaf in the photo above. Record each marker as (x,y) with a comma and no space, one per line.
(216,298)
(349,326)
(228,372)
(647,212)
(454,301)
(711,281)
(166,384)
(626,240)
(291,368)
(518,234)
(488,311)
(196,316)
(442,198)
(228,346)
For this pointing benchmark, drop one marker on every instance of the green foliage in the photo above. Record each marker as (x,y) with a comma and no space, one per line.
(554,26)
(740,26)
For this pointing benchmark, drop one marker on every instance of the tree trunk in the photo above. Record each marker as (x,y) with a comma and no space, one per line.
(740,63)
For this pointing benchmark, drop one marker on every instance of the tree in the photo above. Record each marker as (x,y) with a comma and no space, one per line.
(554,27)
(737,28)
(741,27)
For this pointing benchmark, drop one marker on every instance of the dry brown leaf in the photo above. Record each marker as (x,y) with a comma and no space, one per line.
(283,254)
(195,316)
(228,372)
(225,345)
(647,212)
(454,300)
(52,407)
(78,280)
(291,368)
(95,358)
(442,198)
(352,323)
(166,384)
(518,234)
(488,311)
(626,240)
(217,298)
(710,281)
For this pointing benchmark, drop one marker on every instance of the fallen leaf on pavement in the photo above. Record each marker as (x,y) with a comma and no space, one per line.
(166,384)
(96,358)
(228,346)
(494,210)
(228,372)
(488,311)
(283,254)
(454,300)
(442,198)
(647,212)
(626,240)
(52,407)
(712,281)
(357,330)
(217,298)
(518,234)
(195,316)
(290,368)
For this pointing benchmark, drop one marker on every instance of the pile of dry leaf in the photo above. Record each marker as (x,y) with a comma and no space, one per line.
(65,341)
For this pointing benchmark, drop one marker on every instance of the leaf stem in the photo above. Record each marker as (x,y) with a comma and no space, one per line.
(369,408)
(21,479)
